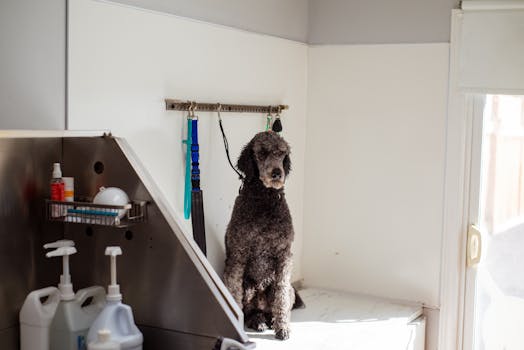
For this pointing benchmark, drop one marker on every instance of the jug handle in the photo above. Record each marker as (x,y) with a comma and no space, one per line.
(98,293)
(126,323)
(52,294)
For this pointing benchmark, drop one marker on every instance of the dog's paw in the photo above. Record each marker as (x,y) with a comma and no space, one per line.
(282,334)
(257,326)
(261,327)
(257,323)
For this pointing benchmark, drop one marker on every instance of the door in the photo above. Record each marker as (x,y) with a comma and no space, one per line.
(494,305)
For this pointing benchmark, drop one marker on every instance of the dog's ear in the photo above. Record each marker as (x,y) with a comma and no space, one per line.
(287,164)
(246,162)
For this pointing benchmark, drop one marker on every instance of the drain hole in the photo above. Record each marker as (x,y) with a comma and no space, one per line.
(99,167)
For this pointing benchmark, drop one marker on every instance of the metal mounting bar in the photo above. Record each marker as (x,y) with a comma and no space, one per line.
(177,105)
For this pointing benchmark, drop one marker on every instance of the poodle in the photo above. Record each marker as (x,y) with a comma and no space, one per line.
(259,236)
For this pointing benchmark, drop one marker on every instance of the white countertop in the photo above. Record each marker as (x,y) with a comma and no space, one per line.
(337,321)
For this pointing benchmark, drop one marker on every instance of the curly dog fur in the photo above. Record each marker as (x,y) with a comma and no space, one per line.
(259,236)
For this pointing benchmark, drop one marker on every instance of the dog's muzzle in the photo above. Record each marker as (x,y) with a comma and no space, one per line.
(275,179)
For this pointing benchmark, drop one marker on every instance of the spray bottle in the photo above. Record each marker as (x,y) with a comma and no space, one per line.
(116,317)
(74,314)
(57,190)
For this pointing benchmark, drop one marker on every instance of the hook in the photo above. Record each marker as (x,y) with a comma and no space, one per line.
(219,108)
(269,108)
(268,118)
(189,109)
(195,106)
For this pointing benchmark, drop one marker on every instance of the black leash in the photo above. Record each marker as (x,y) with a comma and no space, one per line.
(197,198)
(226,144)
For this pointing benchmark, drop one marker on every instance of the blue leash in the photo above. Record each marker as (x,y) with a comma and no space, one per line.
(195,170)
(187,190)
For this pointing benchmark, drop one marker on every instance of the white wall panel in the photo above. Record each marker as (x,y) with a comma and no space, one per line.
(491,50)
(124,61)
(32,64)
(375,169)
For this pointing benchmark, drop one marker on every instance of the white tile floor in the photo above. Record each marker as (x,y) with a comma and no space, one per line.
(336,321)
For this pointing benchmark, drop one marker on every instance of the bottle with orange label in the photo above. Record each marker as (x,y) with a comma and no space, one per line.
(57,190)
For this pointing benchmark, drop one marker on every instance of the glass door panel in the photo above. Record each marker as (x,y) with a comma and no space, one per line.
(498,209)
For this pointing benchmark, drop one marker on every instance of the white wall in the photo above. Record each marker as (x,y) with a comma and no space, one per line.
(32,64)
(375,169)
(379,21)
(286,19)
(375,161)
(124,61)
(370,217)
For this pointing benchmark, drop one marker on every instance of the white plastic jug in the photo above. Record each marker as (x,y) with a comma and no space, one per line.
(74,317)
(36,317)
(104,342)
(117,317)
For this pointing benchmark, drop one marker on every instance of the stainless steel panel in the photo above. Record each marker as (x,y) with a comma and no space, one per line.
(25,172)
(160,277)
(156,338)
(178,300)
(9,339)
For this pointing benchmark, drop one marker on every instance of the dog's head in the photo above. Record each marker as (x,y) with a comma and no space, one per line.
(266,157)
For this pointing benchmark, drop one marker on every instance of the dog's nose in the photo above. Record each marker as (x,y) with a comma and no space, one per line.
(276,174)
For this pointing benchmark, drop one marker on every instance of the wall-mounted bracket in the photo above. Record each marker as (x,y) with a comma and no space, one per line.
(178,105)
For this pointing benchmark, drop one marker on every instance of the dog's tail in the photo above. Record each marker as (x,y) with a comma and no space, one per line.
(299,303)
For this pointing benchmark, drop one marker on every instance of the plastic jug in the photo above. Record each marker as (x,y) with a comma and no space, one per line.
(104,342)
(74,317)
(76,312)
(117,317)
(36,317)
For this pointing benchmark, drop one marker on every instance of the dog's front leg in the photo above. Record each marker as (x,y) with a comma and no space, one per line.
(233,278)
(281,307)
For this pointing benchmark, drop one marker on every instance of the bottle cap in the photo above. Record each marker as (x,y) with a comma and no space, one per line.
(104,335)
(57,172)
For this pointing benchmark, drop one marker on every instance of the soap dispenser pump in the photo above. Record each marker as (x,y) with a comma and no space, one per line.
(64,248)
(116,317)
(113,290)
(76,311)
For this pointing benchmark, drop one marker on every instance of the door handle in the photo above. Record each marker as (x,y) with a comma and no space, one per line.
(474,246)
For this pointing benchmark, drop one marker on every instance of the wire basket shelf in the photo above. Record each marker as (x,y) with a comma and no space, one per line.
(97,214)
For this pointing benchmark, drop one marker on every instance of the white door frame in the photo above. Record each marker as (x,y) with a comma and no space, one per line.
(456,202)
(475,118)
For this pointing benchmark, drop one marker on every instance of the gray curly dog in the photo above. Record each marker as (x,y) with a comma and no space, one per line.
(259,236)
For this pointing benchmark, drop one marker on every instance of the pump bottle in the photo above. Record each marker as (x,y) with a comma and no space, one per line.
(117,317)
(74,315)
